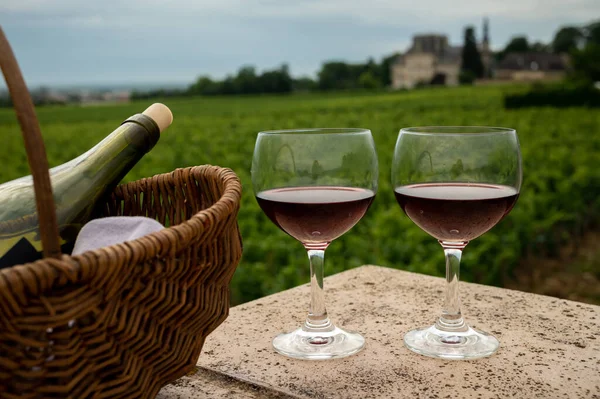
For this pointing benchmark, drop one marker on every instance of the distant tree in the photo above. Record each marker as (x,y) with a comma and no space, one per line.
(518,44)
(386,67)
(246,81)
(540,47)
(355,70)
(5,100)
(471,59)
(592,33)
(142,95)
(329,75)
(205,86)
(286,83)
(372,68)
(335,75)
(367,81)
(228,86)
(566,39)
(276,81)
(585,63)
(585,59)
(304,84)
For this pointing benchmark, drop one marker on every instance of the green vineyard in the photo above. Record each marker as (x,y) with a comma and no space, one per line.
(559,203)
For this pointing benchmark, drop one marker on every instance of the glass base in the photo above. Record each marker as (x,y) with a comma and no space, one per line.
(469,344)
(300,344)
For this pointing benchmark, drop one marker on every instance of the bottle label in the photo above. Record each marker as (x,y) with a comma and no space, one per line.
(26,246)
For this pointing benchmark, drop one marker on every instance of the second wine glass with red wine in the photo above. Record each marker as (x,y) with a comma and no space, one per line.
(315,185)
(455,183)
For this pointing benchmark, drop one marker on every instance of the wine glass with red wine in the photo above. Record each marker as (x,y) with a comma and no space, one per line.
(455,183)
(315,185)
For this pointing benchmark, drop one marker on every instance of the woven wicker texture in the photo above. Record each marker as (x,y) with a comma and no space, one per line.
(122,321)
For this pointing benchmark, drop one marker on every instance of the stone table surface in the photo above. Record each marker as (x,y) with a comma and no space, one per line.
(549,347)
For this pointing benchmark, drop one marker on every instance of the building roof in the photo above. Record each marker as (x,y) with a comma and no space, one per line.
(533,62)
(435,44)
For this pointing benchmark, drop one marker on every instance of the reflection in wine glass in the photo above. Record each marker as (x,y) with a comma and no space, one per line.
(470,182)
(315,185)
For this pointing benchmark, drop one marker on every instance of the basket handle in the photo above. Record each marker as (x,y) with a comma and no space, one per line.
(34,146)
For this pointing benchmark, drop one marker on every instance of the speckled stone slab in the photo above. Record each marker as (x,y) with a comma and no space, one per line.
(550,348)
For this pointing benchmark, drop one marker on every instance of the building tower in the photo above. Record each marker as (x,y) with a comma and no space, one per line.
(486,53)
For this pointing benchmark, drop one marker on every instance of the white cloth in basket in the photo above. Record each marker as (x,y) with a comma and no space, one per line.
(112,230)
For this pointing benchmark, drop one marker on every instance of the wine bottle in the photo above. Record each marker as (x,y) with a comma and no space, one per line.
(78,186)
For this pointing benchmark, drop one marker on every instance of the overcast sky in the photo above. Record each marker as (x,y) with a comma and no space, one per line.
(118,41)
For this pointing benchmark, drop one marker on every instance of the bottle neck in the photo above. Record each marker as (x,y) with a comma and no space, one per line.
(144,142)
(105,165)
(119,151)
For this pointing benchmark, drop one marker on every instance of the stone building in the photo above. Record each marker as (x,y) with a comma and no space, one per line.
(432,60)
(532,66)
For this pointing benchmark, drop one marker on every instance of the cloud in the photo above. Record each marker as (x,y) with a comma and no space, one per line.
(394,11)
(123,40)
(388,12)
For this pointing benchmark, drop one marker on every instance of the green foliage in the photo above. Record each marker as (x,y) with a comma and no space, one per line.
(5,100)
(566,39)
(518,44)
(247,81)
(334,75)
(471,59)
(338,75)
(586,63)
(304,84)
(366,80)
(140,95)
(569,39)
(386,65)
(560,196)
(206,86)
(556,95)
(592,33)
(539,47)
(583,45)
(466,77)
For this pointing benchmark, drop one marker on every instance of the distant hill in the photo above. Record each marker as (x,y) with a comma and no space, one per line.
(106,86)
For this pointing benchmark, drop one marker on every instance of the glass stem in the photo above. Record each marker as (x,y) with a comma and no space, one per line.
(317,320)
(451,319)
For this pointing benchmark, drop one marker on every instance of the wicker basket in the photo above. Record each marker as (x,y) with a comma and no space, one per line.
(121,321)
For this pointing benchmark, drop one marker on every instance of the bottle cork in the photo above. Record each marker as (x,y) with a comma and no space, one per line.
(161,114)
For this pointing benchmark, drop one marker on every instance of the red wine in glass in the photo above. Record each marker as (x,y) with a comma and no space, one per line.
(315,185)
(315,215)
(456,211)
(455,183)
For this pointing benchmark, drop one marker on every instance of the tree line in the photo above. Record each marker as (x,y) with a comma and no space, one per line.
(333,75)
